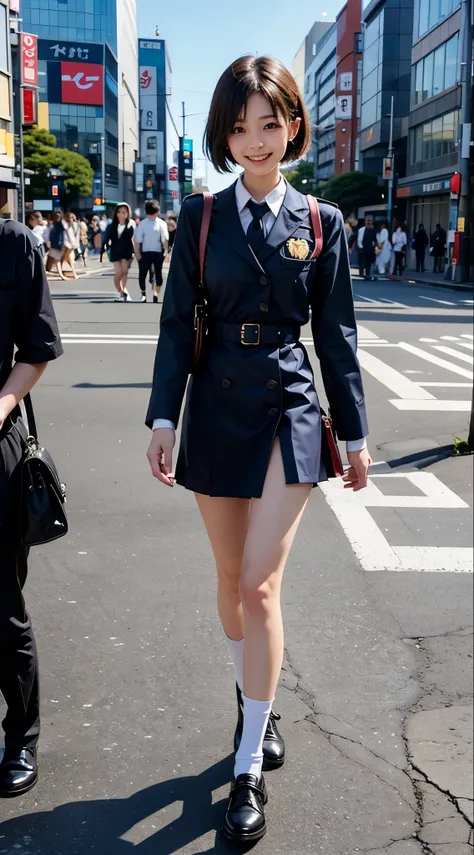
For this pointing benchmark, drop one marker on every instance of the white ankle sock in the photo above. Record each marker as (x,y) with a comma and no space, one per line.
(249,757)
(236,650)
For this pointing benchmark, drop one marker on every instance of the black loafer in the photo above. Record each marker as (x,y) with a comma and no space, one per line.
(273,743)
(18,772)
(245,817)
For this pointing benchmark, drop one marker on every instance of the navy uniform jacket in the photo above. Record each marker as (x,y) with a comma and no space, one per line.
(241,397)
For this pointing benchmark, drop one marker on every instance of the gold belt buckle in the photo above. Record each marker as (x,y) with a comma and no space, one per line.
(256,327)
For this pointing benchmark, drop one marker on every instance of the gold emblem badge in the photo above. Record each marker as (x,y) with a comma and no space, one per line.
(298,247)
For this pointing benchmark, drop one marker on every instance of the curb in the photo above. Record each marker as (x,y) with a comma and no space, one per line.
(433,283)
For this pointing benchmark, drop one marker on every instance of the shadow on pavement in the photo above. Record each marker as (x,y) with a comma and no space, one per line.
(112,386)
(86,827)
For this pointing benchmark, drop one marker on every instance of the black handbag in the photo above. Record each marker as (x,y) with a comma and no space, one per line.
(41,495)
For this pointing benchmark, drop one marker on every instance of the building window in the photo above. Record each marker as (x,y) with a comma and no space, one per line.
(437,71)
(435,138)
(372,72)
(358,42)
(4,42)
(431,12)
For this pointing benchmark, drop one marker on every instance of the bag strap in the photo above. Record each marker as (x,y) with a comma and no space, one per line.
(205,223)
(316,223)
(32,430)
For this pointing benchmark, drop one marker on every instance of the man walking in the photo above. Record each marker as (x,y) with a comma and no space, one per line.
(151,247)
(366,240)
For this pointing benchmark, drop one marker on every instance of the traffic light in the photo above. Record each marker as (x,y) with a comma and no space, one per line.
(98,201)
(55,190)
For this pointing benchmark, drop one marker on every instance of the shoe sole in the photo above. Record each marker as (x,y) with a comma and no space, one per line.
(7,794)
(270,765)
(244,838)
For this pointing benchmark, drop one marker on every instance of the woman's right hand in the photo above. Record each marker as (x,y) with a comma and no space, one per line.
(160,455)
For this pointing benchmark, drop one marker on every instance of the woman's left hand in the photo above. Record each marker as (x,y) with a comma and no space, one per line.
(357,474)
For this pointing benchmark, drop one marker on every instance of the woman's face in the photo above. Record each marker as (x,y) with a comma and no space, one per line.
(122,215)
(259,142)
(171,225)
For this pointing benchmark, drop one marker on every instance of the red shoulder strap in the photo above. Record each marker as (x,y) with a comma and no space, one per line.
(316,223)
(205,223)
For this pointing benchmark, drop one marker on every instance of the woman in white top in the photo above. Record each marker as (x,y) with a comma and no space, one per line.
(384,247)
(399,243)
(119,240)
(71,242)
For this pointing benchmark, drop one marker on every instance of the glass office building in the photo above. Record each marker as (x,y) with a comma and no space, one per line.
(78,76)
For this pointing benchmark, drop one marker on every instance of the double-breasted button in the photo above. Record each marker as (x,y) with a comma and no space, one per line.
(272,384)
(263,280)
(226,384)
(264,307)
(273,412)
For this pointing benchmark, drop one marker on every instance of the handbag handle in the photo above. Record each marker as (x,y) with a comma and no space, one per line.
(30,416)
(316,223)
(205,223)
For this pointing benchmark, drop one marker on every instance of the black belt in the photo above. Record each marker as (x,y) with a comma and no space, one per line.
(251,335)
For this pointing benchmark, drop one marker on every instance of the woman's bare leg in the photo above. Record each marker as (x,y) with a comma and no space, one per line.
(226,522)
(118,276)
(125,265)
(273,523)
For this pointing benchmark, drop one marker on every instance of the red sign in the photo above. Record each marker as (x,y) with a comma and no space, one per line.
(82,83)
(174,194)
(173,173)
(29,59)
(15,6)
(29,106)
(456,183)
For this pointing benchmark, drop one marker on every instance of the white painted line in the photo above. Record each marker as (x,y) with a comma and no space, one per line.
(66,340)
(364,332)
(431,406)
(107,335)
(381,343)
(448,385)
(436,360)
(441,302)
(367,299)
(435,493)
(451,352)
(372,548)
(394,380)
(468,344)
(448,338)
(467,335)
(75,293)
(429,340)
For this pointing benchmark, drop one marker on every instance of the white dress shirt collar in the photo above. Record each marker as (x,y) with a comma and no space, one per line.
(274,199)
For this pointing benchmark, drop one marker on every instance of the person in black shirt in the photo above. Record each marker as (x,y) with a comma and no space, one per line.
(172,221)
(419,243)
(28,323)
(366,241)
(119,240)
(438,248)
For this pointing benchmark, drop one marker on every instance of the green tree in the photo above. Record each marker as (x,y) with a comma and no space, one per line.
(41,155)
(304,172)
(353,190)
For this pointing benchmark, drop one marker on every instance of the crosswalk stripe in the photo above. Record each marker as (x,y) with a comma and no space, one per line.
(436,406)
(436,360)
(441,302)
(451,352)
(468,344)
(108,335)
(393,379)
(467,335)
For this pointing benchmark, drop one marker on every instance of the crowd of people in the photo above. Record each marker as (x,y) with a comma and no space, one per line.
(380,253)
(65,239)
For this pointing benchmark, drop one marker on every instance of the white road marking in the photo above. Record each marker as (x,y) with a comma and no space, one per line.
(364,332)
(66,340)
(435,493)
(451,352)
(367,299)
(446,338)
(467,335)
(428,340)
(435,406)
(441,302)
(394,380)
(448,385)
(468,344)
(107,335)
(436,360)
(373,549)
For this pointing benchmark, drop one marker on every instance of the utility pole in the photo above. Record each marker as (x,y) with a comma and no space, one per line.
(390,180)
(464,148)
(181,155)
(102,164)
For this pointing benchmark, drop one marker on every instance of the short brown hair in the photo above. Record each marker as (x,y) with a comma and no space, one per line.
(152,207)
(247,75)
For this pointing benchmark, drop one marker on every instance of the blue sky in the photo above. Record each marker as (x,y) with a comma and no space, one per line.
(205,36)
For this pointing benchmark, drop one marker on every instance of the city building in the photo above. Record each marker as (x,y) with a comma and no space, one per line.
(90,87)
(387,28)
(320,99)
(348,69)
(298,67)
(434,114)
(8,180)
(155,74)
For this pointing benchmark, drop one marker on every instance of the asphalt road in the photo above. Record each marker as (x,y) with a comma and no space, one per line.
(137,689)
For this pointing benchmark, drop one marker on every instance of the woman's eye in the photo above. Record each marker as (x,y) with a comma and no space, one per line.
(237,130)
(271,125)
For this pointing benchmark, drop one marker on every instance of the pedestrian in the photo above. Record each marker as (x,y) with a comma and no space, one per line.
(151,248)
(83,240)
(419,244)
(57,237)
(95,235)
(172,223)
(38,226)
(399,243)
(384,249)
(251,438)
(366,242)
(104,223)
(71,242)
(119,240)
(438,248)
(27,322)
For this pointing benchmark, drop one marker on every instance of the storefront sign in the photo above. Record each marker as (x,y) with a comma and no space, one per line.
(148,113)
(82,84)
(29,106)
(461,224)
(53,50)
(148,80)
(29,59)
(343,107)
(345,81)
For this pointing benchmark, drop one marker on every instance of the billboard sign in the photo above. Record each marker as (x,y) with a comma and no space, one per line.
(29,106)
(50,50)
(29,59)
(343,107)
(148,81)
(148,113)
(82,83)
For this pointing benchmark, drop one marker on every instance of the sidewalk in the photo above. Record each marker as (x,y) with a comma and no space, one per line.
(430,278)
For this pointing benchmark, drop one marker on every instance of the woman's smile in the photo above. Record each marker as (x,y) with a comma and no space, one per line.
(258,158)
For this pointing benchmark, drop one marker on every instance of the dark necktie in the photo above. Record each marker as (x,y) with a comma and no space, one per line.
(255,232)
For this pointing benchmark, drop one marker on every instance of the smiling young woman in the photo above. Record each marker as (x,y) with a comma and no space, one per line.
(251,446)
